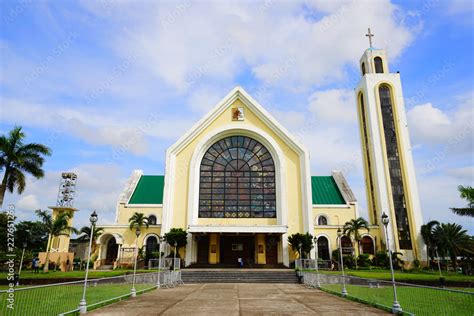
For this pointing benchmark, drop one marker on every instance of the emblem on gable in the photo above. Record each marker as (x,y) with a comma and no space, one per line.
(238,114)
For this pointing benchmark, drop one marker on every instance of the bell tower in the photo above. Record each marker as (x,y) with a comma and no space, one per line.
(388,163)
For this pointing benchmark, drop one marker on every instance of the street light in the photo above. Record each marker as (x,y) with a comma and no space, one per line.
(174,259)
(21,263)
(441,278)
(317,259)
(396,308)
(344,291)
(160,240)
(82,304)
(134,291)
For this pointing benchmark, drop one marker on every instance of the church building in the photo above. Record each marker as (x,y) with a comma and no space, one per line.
(239,184)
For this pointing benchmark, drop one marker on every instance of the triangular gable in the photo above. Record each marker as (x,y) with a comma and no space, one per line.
(238,93)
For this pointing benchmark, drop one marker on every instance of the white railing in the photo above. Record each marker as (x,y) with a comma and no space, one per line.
(63,298)
(414,299)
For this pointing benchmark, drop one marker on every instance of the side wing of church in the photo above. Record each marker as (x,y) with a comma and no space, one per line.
(239,184)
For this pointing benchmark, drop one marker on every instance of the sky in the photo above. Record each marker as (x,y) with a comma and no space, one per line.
(109,85)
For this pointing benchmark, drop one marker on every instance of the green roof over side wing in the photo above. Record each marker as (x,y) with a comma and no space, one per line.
(325,191)
(149,190)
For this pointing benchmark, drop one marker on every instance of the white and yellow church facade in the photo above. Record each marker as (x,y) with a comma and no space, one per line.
(239,184)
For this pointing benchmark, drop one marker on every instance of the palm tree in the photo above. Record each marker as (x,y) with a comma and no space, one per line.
(428,236)
(17,159)
(452,240)
(467,193)
(353,227)
(55,227)
(138,220)
(85,232)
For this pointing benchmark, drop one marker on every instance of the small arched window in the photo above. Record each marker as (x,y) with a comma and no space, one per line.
(322,220)
(363,68)
(152,220)
(378,65)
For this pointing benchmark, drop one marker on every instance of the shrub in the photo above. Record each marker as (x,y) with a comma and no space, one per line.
(381,259)
(363,260)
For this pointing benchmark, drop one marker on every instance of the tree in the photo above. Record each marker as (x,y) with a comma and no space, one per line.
(55,227)
(34,233)
(138,220)
(178,236)
(427,233)
(353,227)
(17,158)
(306,241)
(467,193)
(452,241)
(85,232)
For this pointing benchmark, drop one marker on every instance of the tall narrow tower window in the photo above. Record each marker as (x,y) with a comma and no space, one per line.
(394,166)
(366,147)
(378,65)
(363,68)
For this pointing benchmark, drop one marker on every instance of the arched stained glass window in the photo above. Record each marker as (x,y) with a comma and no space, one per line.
(237,180)
(378,65)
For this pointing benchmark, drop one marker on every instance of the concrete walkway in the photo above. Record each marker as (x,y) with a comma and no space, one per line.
(237,299)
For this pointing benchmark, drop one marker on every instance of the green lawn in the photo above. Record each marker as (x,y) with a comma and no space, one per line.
(415,300)
(404,276)
(73,274)
(54,300)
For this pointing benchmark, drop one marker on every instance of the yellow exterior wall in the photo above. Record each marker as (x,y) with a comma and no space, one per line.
(125,212)
(291,164)
(214,252)
(260,245)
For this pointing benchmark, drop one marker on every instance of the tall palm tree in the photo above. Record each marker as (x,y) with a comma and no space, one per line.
(85,232)
(55,227)
(138,220)
(352,228)
(467,193)
(452,240)
(17,158)
(427,233)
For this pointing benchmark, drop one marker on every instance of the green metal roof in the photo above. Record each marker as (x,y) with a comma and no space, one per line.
(325,191)
(149,190)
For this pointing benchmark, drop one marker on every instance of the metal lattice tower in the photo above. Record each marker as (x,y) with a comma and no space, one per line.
(67,189)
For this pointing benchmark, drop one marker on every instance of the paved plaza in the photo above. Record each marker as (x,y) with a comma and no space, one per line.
(237,299)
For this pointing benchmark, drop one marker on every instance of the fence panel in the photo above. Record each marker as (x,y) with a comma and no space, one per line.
(61,298)
(414,299)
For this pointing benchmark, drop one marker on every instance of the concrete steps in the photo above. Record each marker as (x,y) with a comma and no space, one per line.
(238,276)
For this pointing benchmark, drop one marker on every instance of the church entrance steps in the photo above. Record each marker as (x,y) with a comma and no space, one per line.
(238,276)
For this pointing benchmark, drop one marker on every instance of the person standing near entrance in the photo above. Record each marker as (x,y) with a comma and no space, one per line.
(240,262)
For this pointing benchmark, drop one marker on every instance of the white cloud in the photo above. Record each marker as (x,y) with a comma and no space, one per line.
(29,202)
(431,125)
(98,188)
(333,106)
(181,45)
(203,100)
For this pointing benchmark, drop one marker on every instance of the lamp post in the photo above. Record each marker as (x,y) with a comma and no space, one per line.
(317,259)
(441,278)
(344,291)
(396,308)
(174,259)
(134,291)
(82,304)
(160,240)
(21,262)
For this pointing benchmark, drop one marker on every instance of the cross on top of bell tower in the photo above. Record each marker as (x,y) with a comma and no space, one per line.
(370,35)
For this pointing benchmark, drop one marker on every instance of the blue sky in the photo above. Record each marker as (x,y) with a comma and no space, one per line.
(109,85)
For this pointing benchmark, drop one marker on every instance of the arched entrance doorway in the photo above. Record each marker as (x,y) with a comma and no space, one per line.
(112,251)
(323,248)
(151,247)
